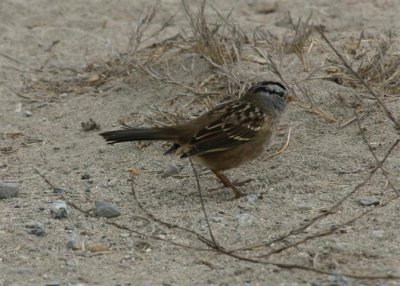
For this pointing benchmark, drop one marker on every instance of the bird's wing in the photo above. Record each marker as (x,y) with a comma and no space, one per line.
(237,123)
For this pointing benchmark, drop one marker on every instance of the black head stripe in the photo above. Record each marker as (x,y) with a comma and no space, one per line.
(266,86)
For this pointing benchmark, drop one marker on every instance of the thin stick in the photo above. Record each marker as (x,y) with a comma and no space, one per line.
(329,211)
(283,148)
(215,244)
(371,150)
(327,232)
(341,201)
(168,224)
(380,101)
(117,225)
(87,212)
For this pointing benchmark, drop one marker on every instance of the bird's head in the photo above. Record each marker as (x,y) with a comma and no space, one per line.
(269,95)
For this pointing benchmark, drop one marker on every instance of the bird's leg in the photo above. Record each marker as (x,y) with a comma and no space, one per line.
(242,182)
(227,183)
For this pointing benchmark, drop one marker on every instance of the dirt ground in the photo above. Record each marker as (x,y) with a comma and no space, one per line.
(51,55)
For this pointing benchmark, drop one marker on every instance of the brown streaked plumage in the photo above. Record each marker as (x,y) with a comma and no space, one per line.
(225,137)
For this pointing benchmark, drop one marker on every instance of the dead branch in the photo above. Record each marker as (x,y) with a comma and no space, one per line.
(362,81)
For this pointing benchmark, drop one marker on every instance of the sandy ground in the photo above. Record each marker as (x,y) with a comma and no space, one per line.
(44,42)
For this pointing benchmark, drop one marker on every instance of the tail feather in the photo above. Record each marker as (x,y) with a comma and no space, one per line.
(138,134)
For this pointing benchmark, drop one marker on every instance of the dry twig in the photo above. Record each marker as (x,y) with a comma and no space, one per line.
(361,80)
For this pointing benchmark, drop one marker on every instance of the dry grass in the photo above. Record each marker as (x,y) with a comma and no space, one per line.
(221,42)
(375,60)
(301,40)
(298,40)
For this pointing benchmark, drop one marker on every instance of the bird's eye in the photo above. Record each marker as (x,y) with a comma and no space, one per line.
(281,93)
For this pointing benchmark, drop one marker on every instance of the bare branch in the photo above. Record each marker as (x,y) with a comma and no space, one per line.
(362,81)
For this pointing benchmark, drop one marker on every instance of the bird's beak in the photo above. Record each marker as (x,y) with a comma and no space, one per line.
(289,98)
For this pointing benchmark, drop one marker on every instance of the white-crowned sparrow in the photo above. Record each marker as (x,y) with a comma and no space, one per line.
(226,136)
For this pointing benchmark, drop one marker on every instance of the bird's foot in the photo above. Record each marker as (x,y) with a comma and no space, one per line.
(242,183)
(238,195)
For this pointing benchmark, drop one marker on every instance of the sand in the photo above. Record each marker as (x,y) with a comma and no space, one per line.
(51,55)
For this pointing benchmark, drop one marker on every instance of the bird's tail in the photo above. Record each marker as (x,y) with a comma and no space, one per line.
(138,134)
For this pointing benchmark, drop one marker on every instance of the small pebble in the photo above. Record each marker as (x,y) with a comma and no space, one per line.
(106,209)
(378,233)
(266,7)
(304,206)
(337,279)
(36,228)
(111,183)
(28,113)
(143,246)
(58,191)
(53,283)
(170,170)
(90,125)
(8,189)
(89,246)
(252,198)
(244,219)
(59,209)
(75,245)
(369,201)
(216,219)
(85,176)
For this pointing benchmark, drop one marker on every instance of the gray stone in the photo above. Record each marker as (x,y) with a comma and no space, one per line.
(170,170)
(90,125)
(252,198)
(75,245)
(304,206)
(36,228)
(369,201)
(106,209)
(53,283)
(59,190)
(85,176)
(28,113)
(8,189)
(59,209)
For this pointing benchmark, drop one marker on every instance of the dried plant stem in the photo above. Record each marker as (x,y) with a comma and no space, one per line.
(362,81)
(167,79)
(371,150)
(331,210)
(162,222)
(283,147)
(117,225)
(327,232)
(290,266)
(215,244)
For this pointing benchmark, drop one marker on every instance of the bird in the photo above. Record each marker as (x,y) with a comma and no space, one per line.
(225,137)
